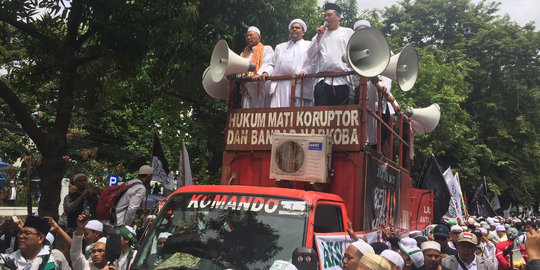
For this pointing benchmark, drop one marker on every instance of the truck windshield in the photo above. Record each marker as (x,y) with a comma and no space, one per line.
(223,231)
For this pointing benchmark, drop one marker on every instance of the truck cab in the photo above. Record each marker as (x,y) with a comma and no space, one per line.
(237,227)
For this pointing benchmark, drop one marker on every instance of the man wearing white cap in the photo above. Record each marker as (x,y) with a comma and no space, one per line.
(92,233)
(255,93)
(98,259)
(411,254)
(290,58)
(454,235)
(432,255)
(486,247)
(128,241)
(466,258)
(131,200)
(501,233)
(395,260)
(327,49)
(354,253)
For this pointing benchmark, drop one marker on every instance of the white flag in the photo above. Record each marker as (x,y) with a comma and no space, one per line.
(454,211)
(495,202)
(507,211)
(160,165)
(184,169)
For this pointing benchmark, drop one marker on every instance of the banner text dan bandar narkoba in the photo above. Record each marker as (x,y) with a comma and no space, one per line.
(253,129)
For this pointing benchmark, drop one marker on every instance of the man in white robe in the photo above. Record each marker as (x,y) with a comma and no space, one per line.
(327,50)
(290,58)
(254,94)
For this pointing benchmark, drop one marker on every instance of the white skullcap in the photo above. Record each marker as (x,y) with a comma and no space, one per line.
(431,245)
(50,238)
(130,229)
(471,220)
(483,222)
(282,265)
(299,21)
(500,228)
(484,231)
(150,217)
(361,23)
(95,225)
(363,247)
(394,257)
(102,240)
(254,29)
(485,226)
(456,228)
(413,252)
(476,224)
(464,228)
(164,235)
(407,241)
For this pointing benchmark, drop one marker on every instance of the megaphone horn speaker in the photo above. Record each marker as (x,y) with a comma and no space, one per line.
(425,120)
(368,52)
(217,90)
(403,68)
(225,62)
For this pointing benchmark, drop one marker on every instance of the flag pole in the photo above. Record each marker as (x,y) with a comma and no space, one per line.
(182,162)
(151,159)
(492,208)
(462,200)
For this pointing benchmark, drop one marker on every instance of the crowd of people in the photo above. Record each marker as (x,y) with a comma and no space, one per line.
(79,239)
(324,53)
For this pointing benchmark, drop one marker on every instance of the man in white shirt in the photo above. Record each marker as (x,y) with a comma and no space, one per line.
(131,200)
(290,58)
(254,94)
(12,194)
(127,243)
(327,50)
(98,256)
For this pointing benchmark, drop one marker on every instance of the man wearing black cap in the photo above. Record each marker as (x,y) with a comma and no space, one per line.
(328,48)
(441,235)
(32,253)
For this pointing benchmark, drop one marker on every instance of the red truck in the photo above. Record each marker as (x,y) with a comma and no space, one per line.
(288,175)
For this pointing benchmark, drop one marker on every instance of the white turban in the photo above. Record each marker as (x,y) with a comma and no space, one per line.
(394,257)
(95,225)
(361,23)
(254,29)
(363,247)
(456,228)
(302,23)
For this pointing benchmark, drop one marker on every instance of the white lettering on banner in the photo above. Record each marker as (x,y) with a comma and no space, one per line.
(379,206)
(257,128)
(233,202)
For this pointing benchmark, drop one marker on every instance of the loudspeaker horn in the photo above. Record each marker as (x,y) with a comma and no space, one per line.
(368,52)
(219,90)
(403,68)
(225,62)
(425,120)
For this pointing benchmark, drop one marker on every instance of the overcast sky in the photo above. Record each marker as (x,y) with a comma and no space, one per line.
(520,11)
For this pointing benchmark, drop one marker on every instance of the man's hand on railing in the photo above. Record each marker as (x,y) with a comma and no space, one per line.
(264,75)
(301,74)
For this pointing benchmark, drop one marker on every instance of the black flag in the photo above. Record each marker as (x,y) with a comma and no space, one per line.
(434,180)
(160,165)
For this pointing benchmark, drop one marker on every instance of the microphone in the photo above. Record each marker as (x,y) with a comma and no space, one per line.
(325,24)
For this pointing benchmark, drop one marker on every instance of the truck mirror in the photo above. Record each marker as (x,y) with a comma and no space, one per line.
(305,258)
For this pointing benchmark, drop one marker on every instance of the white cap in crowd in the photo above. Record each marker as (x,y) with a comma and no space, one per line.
(412,251)
(50,238)
(394,257)
(500,228)
(95,225)
(456,228)
(102,240)
(145,169)
(361,23)
(363,247)
(431,245)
